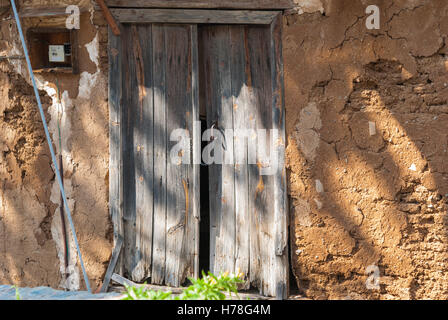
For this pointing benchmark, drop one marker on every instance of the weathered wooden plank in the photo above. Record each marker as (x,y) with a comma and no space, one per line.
(112,264)
(176,200)
(179,175)
(241,104)
(261,186)
(227,225)
(281,216)
(193,16)
(204,4)
(123,281)
(29,12)
(128,121)
(196,156)
(253,174)
(220,116)
(160,155)
(133,180)
(115,137)
(192,186)
(143,149)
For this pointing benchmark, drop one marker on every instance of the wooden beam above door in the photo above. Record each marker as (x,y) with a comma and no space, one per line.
(204,4)
(194,16)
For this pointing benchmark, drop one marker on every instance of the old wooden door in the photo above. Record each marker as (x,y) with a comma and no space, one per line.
(153,85)
(242,80)
(154,201)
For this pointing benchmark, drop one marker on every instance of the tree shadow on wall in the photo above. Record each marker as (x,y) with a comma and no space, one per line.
(385,175)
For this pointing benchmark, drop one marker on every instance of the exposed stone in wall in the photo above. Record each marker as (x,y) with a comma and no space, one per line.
(374,191)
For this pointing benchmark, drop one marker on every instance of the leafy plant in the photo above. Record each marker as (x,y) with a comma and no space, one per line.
(17,293)
(209,287)
(140,293)
(212,287)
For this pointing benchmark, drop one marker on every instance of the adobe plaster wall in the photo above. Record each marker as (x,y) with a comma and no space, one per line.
(367,120)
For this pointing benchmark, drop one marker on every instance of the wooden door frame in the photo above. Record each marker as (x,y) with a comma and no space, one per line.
(272,18)
(204,4)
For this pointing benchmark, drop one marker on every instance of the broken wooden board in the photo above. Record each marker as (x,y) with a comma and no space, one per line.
(123,281)
(112,264)
(109,18)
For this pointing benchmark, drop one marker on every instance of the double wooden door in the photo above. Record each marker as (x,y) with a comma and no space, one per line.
(158,74)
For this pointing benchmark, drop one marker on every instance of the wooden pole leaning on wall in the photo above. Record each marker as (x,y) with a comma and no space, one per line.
(109,17)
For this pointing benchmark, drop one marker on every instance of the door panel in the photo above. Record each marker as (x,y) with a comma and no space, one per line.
(238,68)
(159,194)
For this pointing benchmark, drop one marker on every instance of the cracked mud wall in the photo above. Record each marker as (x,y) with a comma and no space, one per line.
(31,245)
(367,120)
(367,127)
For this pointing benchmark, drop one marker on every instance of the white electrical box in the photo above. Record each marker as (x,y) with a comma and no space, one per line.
(56,53)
